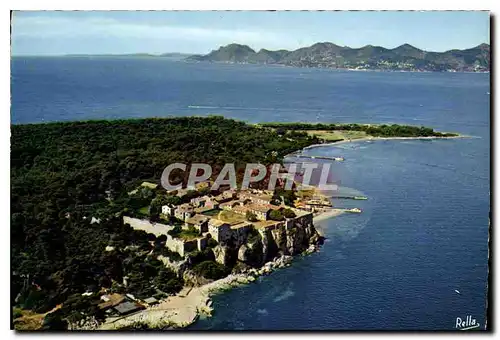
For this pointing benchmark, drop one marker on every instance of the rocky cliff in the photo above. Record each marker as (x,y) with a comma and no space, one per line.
(264,246)
(287,238)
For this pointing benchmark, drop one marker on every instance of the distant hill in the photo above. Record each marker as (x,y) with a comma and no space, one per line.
(232,53)
(404,58)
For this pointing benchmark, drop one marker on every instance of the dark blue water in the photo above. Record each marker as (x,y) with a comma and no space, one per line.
(424,230)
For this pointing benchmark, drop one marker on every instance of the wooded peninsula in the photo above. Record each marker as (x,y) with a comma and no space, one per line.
(72,183)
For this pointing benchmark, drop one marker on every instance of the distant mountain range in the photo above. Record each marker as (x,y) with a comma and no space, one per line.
(402,58)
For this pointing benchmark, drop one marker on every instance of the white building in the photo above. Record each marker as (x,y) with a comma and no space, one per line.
(168,210)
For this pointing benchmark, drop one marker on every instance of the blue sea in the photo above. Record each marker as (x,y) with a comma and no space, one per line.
(423,232)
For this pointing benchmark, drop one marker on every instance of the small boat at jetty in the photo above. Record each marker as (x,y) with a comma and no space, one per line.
(354,210)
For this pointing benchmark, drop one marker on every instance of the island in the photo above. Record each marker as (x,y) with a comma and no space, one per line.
(328,55)
(98,243)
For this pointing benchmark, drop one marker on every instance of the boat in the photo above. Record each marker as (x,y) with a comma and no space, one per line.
(360,198)
(354,210)
(457,291)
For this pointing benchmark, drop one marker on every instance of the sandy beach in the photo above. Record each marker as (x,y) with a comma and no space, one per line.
(183,309)
(176,311)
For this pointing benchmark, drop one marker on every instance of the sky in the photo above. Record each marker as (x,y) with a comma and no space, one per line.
(116,32)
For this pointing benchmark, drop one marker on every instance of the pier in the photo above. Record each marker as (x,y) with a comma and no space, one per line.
(338,159)
(350,197)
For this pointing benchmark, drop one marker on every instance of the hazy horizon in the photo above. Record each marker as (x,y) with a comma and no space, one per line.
(215,48)
(38,33)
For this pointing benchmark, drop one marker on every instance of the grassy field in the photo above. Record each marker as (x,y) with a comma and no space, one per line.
(230,217)
(144,210)
(27,320)
(212,212)
(305,194)
(335,135)
(264,224)
(188,235)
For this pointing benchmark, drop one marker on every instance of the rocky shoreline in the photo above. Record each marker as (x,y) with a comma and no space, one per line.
(184,309)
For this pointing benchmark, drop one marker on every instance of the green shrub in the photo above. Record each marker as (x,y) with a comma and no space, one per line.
(175,231)
(168,282)
(250,216)
(197,256)
(172,255)
(288,213)
(54,322)
(173,286)
(276,215)
(211,270)
(17,313)
(253,235)
(211,243)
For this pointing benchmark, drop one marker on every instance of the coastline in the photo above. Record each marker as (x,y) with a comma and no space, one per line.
(337,69)
(327,214)
(372,138)
(184,309)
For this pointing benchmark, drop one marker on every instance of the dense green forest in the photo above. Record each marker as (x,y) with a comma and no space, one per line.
(63,174)
(382,130)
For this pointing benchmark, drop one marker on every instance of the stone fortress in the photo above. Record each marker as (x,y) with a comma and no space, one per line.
(224,219)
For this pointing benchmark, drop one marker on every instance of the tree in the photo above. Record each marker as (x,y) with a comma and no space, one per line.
(154,212)
(176,230)
(173,200)
(276,215)
(210,270)
(281,131)
(288,196)
(172,286)
(288,213)
(211,243)
(161,238)
(250,216)
(167,281)
(61,172)
(204,191)
(54,322)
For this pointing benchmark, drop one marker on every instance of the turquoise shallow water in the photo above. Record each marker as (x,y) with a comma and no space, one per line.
(424,229)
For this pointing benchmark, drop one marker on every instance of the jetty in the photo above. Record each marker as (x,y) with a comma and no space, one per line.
(349,210)
(338,159)
(349,197)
